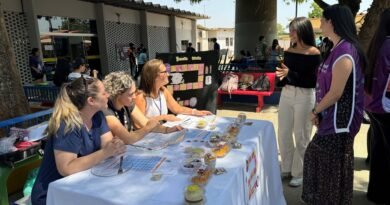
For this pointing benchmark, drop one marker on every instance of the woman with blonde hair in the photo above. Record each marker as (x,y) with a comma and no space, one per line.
(122,113)
(155,99)
(79,137)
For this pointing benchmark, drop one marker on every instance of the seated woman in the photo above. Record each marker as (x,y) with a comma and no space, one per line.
(79,137)
(79,69)
(122,113)
(155,99)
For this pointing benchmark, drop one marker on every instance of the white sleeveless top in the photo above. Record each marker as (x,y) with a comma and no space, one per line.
(156,107)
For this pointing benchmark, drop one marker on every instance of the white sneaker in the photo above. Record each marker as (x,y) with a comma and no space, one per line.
(296,182)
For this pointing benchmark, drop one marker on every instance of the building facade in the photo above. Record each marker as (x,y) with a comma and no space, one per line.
(98,30)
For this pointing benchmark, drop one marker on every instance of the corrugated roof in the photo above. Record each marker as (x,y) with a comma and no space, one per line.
(149,6)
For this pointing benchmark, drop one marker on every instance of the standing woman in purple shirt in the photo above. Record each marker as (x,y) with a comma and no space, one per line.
(338,113)
(377,104)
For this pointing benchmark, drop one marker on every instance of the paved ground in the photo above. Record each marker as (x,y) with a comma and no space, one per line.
(292,195)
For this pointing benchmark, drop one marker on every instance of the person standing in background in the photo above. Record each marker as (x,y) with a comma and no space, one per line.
(338,113)
(377,105)
(298,76)
(190,49)
(36,66)
(216,45)
(132,59)
(260,50)
(142,58)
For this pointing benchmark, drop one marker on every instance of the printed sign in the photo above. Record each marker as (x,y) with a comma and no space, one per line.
(188,80)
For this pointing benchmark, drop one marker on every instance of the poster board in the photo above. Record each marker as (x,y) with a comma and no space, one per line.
(193,79)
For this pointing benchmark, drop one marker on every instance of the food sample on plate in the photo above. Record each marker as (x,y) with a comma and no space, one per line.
(203,175)
(191,164)
(194,195)
(201,124)
(221,150)
(215,138)
(210,160)
(195,152)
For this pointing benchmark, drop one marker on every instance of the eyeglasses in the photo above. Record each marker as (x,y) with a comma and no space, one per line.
(164,71)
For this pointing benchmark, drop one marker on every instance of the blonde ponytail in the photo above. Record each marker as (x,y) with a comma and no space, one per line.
(64,111)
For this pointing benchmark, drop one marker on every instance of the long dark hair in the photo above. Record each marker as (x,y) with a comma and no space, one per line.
(344,26)
(304,30)
(275,43)
(382,31)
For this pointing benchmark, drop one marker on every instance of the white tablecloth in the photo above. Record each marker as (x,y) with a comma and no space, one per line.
(136,187)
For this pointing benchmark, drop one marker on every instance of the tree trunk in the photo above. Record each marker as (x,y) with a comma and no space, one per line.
(371,21)
(12,99)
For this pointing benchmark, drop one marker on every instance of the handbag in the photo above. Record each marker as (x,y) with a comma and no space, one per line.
(262,83)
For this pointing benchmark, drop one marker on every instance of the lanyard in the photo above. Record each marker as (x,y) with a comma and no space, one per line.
(159,108)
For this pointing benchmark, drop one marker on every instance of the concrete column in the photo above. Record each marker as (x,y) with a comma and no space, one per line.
(172,34)
(144,30)
(32,23)
(193,33)
(101,32)
(253,19)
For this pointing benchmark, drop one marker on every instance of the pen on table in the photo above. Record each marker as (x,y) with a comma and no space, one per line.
(159,164)
(120,170)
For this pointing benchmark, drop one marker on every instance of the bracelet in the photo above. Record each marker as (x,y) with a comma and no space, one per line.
(193,111)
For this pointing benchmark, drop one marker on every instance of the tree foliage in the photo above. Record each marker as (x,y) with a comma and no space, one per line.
(288,2)
(316,11)
(280,28)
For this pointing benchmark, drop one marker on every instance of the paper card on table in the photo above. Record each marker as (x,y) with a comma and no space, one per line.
(200,78)
(186,102)
(200,66)
(190,67)
(170,88)
(195,86)
(176,87)
(184,67)
(200,85)
(189,86)
(173,68)
(183,86)
(168,66)
(196,66)
(200,70)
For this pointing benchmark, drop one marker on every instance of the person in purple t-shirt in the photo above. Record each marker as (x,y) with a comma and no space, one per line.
(338,113)
(377,105)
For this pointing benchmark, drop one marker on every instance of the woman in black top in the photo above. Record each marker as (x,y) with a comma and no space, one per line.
(122,112)
(298,77)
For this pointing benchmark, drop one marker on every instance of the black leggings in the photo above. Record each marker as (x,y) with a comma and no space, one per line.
(379,158)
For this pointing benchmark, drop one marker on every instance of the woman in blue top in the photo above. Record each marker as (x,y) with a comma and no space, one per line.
(377,105)
(338,113)
(79,137)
